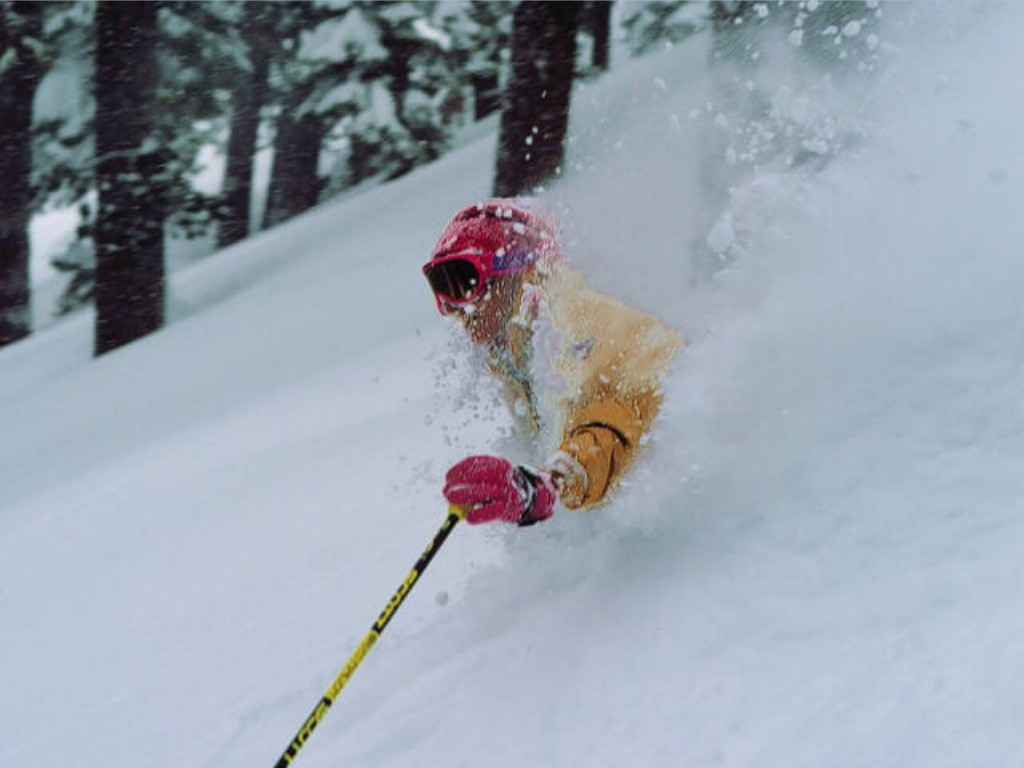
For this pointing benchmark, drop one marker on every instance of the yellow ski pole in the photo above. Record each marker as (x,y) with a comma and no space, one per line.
(455,514)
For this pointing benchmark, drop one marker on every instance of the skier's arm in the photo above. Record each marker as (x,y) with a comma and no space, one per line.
(614,370)
(598,446)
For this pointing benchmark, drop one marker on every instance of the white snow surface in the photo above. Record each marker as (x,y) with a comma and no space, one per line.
(816,563)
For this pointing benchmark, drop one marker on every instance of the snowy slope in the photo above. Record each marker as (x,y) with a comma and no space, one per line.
(816,564)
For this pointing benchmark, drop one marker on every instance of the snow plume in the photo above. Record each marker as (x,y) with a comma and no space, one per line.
(845,425)
(467,407)
(856,296)
(738,120)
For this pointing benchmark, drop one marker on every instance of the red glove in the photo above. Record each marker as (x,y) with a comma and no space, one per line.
(491,488)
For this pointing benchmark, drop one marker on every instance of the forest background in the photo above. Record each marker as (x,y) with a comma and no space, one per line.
(139,136)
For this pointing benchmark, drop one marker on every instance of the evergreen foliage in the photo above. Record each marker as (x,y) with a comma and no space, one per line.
(651,23)
(21,68)
(481,36)
(345,91)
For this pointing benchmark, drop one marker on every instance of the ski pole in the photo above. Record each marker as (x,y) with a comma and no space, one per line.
(455,514)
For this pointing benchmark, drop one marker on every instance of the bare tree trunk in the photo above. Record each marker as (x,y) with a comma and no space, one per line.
(247,101)
(21,21)
(601,30)
(294,184)
(129,231)
(486,95)
(535,117)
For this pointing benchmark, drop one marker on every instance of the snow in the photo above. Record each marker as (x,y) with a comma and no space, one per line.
(351,35)
(63,95)
(428,31)
(51,233)
(816,563)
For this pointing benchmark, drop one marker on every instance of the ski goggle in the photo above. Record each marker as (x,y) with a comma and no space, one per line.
(462,278)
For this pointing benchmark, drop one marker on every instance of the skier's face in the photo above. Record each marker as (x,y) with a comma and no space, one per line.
(484,319)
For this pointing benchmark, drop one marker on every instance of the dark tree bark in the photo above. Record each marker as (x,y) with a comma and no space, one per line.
(247,101)
(398,71)
(601,30)
(535,114)
(129,231)
(486,95)
(294,182)
(19,23)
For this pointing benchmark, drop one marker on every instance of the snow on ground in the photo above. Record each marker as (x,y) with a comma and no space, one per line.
(816,564)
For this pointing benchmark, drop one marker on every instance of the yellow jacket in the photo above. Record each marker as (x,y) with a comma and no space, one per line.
(608,360)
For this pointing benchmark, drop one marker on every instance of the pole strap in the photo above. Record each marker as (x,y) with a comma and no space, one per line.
(455,514)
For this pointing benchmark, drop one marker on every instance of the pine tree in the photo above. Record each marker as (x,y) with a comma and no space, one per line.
(295,183)
(248,97)
(480,38)
(650,23)
(535,115)
(371,75)
(203,66)
(198,59)
(129,231)
(400,125)
(323,49)
(64,158)
(21,69)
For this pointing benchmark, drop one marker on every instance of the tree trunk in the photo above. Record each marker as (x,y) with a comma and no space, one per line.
(535,116)
(247,101)
(486,95)
(601,30)
(22,21)
(294,181)
(129,231)
(398,74)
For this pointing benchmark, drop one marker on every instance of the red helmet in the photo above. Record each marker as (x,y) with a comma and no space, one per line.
(483,241)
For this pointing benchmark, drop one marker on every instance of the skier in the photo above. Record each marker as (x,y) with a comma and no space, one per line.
(497,268)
